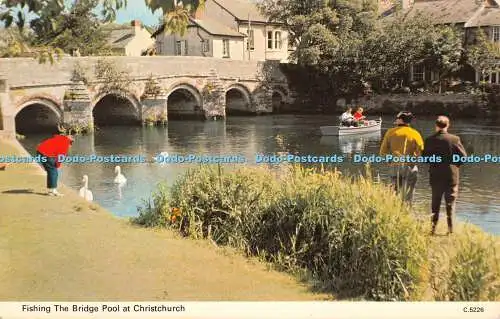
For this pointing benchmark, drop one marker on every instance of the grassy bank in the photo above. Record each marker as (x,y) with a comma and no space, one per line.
(66,249)
(347,236)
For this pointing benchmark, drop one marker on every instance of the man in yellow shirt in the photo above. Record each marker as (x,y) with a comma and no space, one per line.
(403,140)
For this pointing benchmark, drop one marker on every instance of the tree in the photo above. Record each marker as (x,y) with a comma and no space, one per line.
(329,37)
(483,55)
(443,51)
(77,29)
(15,12)
(176,13)
(57,25)
(392,47)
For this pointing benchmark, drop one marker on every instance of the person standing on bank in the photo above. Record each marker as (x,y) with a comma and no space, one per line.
(51,149)
(444,176)
(403,140)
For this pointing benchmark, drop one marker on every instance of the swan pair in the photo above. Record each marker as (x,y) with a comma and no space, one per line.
(86,193)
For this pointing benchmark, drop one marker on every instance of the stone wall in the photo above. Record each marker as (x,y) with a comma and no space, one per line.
(426,104)
(28,72)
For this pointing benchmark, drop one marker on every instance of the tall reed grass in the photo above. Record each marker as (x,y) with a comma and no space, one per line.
(353,237)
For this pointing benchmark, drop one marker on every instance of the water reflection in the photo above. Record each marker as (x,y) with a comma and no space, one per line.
(479,199)
(352,144)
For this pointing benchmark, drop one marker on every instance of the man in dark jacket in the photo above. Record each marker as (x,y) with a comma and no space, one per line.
(444,176)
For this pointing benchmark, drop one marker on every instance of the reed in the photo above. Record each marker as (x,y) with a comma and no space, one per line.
(349,235)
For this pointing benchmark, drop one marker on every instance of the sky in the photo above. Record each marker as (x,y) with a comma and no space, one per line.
(137,10)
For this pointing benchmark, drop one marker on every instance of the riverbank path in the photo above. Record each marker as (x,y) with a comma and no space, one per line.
(55,249)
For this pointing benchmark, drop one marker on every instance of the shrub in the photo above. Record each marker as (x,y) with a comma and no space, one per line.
(353,236)
(467,269)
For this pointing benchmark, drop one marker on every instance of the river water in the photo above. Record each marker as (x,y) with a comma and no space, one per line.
(478,203)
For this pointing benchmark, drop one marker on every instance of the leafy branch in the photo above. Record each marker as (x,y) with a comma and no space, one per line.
(112,76)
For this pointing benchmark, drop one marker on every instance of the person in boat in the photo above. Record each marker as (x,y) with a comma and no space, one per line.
(444,176)
(358,115)
(347,119)
(403,140)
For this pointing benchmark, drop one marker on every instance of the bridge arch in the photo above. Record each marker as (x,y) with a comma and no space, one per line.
(38,114)
(116,107)
(279,98)
(238,99)
(184,100)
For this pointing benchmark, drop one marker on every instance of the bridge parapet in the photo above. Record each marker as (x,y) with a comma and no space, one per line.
(27,72)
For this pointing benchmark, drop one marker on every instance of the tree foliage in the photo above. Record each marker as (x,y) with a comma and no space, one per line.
(175,13)
(16,12)
(443,51)
(329,37)
(349,45)
(484,54)
(78,28)
(392,48)
(61,26)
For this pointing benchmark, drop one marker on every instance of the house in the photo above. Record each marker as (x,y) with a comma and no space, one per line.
(129,40)
(468,15)
(234,29)
(204,37)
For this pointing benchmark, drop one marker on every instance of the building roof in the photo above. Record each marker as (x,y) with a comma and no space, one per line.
(119,35)
(215,28)
(486,17)
(446,11)
(243,10)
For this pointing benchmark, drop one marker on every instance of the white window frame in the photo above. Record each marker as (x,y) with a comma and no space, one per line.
(421,75)
(489,76)
(251,40)
(226,48)
(178,48)
(278,41)
(205,46)
(270,40)
(495,33)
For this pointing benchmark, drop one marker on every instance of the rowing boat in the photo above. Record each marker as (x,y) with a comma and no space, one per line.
(370,127)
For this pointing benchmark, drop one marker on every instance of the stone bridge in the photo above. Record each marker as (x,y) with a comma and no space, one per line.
(134,89)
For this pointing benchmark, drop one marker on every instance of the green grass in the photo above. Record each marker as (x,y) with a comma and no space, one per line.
(350,236)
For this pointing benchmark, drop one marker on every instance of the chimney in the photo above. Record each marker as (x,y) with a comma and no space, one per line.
(137,25)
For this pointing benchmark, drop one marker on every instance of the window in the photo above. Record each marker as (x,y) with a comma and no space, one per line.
(489,77)
(205,45)
(277,40)
(274,41)
(495,34)
(181,47)
(418,72)
(251,40)
(225,48)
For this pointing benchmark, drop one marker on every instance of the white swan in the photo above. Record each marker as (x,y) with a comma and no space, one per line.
(85,192)
(119,178)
